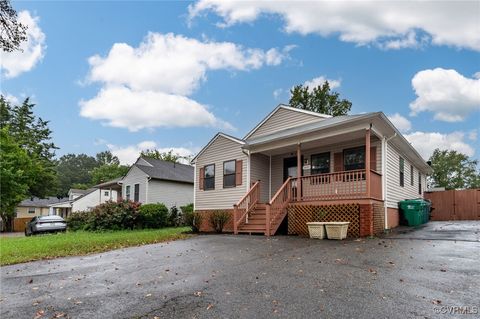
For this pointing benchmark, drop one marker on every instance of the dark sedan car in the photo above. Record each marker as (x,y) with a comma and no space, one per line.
(45,224)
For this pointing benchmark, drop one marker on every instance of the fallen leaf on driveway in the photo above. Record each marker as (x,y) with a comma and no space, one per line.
(39,314)
(198,293)
(59,315)
(210,306)
(148,295)
(30,281)
(436,302)
(443,270)
(373,271)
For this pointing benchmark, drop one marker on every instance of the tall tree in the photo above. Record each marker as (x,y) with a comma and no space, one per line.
(107,158)
(12,33)
(32,134)
(108,172)
(16,171)
(75,169)
(319,99)
(164,156)
(452,169)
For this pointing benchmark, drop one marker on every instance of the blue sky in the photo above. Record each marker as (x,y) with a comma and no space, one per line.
(172,74)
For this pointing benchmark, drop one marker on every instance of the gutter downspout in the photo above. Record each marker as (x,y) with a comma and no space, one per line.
(146,190)
(385,175)
(270,179)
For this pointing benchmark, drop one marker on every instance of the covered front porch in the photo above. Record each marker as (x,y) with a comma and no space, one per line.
(315,170)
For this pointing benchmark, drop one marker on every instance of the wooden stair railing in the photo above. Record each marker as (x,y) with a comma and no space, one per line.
(245,205)
(276,208)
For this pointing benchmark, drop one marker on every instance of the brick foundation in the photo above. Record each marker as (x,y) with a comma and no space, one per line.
(207,228)
(366,220)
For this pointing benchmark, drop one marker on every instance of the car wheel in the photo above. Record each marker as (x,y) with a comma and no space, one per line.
(27,233)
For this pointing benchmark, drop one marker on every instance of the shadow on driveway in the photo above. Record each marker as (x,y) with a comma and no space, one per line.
(226,276)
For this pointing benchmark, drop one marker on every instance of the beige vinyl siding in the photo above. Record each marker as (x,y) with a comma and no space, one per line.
(283,119)
(395,192)
(170,193)
(221,150)
(135,176)
(277,161)
(22,212)
(260,170)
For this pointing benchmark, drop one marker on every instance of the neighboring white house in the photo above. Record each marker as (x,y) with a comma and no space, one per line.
(304,164)
(155,181)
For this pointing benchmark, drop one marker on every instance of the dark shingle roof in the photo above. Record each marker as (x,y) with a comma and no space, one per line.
(41,202)
(167,170)
(78,191)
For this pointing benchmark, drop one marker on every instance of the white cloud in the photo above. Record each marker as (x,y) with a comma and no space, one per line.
(473,135)
(14,63)
(318,81)
(11,98)
(388,24)
(277,93)
(119,106)
(400,122)
(446,93)
(426,142)
(128,154)
(148,86)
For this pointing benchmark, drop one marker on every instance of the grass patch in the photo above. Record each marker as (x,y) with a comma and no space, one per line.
(15,250)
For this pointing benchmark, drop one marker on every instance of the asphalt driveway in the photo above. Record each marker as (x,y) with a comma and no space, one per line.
(408,274)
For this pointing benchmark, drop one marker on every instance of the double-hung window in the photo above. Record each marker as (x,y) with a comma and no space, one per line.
(229,174)
(354,158)
(402,171)
(320,163)
(136,193)
(209,177)
(127,192)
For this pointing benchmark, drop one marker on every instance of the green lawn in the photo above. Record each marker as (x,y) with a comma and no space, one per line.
(15,250)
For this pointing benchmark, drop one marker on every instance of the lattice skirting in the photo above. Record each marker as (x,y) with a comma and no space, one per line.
(300,214)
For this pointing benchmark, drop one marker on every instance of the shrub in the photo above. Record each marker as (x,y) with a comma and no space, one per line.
(153,215)
(218,219)
(77,220)
(174,217)
(107,216)
(193,220)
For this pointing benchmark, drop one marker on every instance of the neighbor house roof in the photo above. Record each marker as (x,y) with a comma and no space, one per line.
(112,182)
(165,170)
(41,202)
(77,191)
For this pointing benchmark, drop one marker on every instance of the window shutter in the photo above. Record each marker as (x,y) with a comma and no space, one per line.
(338,162)
(201,178)
(373,158)
(238,172)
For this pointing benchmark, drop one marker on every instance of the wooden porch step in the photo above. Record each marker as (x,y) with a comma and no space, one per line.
(252,227)
(255,221)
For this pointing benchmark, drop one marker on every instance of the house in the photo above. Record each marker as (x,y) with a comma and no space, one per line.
(32,207)
(298,166)
(80,200)
(155,181)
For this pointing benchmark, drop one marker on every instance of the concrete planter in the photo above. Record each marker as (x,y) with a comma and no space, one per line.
(337,230)
(316,230)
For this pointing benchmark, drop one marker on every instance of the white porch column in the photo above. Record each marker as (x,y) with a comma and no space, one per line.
(299,172)
(248,170)
(367,162)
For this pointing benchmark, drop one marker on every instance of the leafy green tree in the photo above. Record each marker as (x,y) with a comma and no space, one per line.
(33,135)
(16,171)
(107,158)
(320,99)
(75,169)
(79,186)
(164,156)
(108,172)
(12,32)
(452,170)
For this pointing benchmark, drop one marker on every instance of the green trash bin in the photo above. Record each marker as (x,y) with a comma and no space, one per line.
(415,212)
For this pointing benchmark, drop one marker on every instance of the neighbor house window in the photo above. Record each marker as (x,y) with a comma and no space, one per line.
(31,210)
(419,183)
(320,163)
(354,158)
(229,173)
(107,193)
(411,175)
(127,192)
(136,193)
(402,171)
(209,177)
